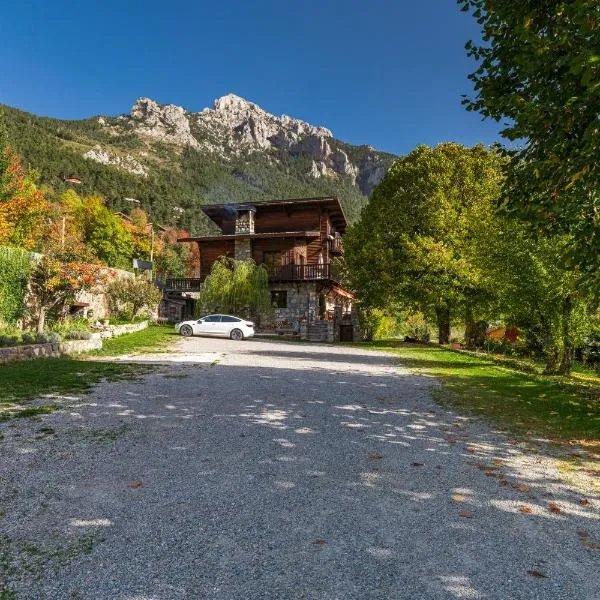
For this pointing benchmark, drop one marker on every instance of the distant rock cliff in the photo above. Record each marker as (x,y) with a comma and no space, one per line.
(235,127)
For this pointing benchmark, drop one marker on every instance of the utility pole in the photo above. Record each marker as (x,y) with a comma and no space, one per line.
(62,232)
(151,250)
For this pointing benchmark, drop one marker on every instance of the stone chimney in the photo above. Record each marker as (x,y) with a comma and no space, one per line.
(244,221)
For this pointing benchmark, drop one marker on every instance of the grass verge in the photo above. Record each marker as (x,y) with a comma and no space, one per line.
(155,338)
(24,381)
(565,409)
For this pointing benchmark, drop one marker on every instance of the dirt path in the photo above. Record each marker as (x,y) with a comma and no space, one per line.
(274,470)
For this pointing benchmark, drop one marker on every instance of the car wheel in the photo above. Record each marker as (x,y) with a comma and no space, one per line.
(236,334)
(186,331)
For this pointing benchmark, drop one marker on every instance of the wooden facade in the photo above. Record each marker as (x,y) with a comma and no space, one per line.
(278,234)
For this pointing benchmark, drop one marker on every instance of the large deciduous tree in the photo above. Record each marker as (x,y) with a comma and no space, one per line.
(412,242)
(539,72)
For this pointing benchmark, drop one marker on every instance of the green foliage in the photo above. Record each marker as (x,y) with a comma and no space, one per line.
(128,296)
(105,233)
(536,290)
(15,267)
(539,71)
(236,287)
(415,326)
(412,242)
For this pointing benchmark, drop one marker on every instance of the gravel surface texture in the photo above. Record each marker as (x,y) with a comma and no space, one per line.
(269,470)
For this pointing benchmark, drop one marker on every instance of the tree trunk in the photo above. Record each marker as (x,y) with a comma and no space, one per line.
(552,361)
(41,319)
(442,314)
(470,328)
(568,350)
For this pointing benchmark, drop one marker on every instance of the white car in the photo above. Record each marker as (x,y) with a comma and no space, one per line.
(221,325)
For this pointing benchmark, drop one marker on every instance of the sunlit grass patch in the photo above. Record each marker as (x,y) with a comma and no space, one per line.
(155,338)
(565,409)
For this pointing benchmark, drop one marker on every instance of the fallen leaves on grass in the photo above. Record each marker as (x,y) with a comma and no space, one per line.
(134,485)
(526,509)
(521,488)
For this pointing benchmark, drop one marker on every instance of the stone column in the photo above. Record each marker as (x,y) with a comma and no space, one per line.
(243,249)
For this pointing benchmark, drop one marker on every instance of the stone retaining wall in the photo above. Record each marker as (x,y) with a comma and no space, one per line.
(67,347)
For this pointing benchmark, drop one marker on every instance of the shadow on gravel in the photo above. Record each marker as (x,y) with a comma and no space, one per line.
(298,483)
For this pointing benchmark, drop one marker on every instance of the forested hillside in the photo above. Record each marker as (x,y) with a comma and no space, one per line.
(172,178)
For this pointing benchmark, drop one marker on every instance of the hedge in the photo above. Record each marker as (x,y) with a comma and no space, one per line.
(15,267)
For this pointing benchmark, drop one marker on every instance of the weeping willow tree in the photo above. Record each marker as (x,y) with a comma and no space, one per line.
(238,287)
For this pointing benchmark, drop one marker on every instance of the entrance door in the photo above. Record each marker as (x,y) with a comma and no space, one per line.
(346,332)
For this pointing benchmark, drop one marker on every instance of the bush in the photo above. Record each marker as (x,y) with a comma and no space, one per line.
(7,341)
(15,267)
(415,327)
(78,335)
(28,338)
(128,296)
(50,337)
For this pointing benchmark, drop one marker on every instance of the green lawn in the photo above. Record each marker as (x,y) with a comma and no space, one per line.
(24,381)
(155,338)
(511,393)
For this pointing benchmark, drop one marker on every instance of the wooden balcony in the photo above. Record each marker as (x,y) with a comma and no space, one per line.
(184,284)
(309,272)
(335,246)
(281,273)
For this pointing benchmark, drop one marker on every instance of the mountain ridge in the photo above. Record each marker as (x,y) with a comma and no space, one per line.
(175,159)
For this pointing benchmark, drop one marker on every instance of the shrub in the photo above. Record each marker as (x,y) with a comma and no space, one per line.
(416,327)
(78,335)
(15,267)
(28,338)
(127,297)
(7,341)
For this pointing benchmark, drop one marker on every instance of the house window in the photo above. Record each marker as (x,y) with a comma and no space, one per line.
(279,299)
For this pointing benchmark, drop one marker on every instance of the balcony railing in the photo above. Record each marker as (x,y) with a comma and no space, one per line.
(184,284)
(335,246)
(309,272)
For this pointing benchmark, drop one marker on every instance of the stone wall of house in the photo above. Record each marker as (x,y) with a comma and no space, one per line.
(302,308)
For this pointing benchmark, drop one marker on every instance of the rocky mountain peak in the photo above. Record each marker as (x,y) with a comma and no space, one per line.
(167,123)
(235,127)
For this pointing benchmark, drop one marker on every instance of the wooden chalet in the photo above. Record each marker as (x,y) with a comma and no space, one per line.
(297,240)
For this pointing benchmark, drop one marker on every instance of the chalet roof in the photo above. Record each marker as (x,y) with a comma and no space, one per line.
(218,212)
(234,236)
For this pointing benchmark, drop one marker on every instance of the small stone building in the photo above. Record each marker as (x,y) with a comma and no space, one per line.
(297,241)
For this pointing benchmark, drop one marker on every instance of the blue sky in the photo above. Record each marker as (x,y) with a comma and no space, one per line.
(383,72)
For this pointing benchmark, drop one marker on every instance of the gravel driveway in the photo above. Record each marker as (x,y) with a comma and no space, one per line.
(273,470)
